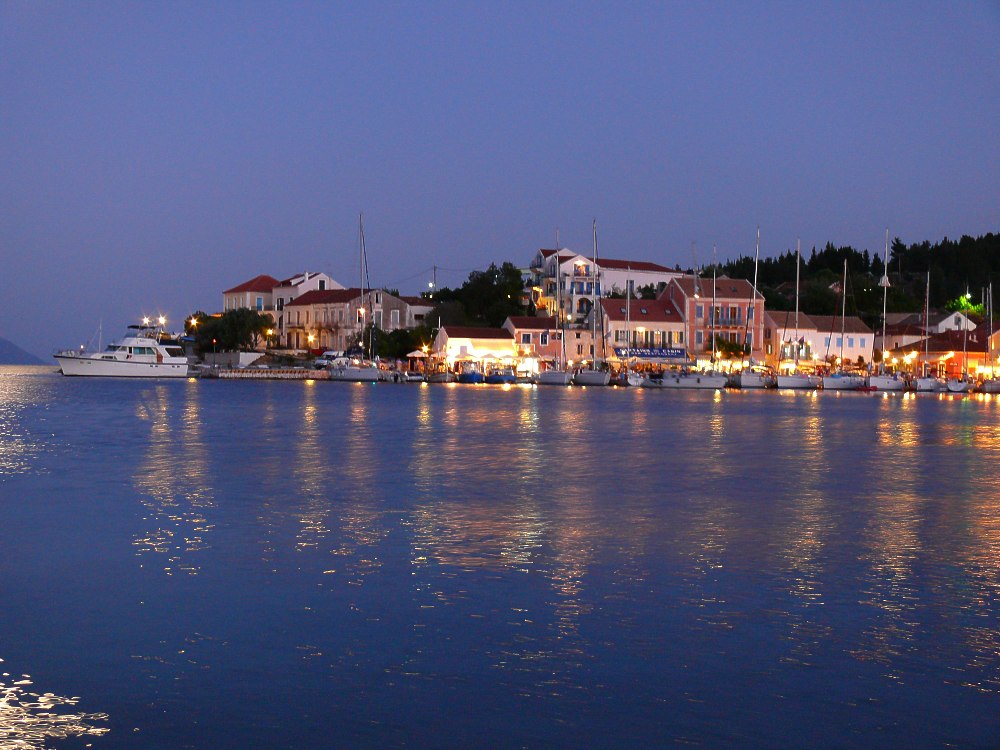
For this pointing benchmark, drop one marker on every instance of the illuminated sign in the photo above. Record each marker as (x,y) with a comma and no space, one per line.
(649,353)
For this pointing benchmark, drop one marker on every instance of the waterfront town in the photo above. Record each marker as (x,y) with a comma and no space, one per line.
(620,316)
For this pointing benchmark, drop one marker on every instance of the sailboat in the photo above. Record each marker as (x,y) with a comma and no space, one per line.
(842,380)
(794,378)
(593,376)
(558,375)
(685,378)
(358,369)
(962,384)
(884,381)
(752,375)
(992,383)
(927,383)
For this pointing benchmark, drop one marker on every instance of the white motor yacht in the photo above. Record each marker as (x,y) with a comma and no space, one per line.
(140,354)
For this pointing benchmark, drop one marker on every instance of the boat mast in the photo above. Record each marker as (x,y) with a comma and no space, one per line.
(594,310)
(361,276)
(712,319)
(753,298)
(559,310)
(843,314)
(884,283)
(795,342)
(927,321)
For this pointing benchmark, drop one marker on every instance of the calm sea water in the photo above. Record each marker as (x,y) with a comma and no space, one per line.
(206,564)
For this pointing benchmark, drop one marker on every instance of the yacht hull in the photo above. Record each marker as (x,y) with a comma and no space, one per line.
(555,377)
(592,377)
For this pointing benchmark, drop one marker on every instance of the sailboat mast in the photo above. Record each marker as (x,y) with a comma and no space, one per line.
(559,310)
(753,298)
(361,276)
(927,321)
(843,314)
(884,283)
(798,252)
(593,310)
(714,273)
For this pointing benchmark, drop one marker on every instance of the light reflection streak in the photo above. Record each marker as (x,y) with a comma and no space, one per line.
(173,481)
(892,540)
(808,530)
(18,452)
(29,720)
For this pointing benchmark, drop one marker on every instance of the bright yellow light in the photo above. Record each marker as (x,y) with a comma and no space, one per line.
(194,322)
(161,320)
(145,320)
(311,338)
(270,331)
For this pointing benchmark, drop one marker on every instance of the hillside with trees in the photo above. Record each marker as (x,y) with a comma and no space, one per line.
(955,267)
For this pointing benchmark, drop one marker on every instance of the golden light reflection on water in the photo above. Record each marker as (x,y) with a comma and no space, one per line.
(18,450)
(30,720)
(807,534)
(173,480)
(359,510)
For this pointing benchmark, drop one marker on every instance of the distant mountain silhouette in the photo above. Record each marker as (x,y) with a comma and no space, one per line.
(12,354)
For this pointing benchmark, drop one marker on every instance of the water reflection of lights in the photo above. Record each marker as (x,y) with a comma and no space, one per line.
(173,480)
(17,450)
(29,720)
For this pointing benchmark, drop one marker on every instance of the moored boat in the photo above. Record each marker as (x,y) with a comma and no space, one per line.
(143,353)
(886,382)
(752,377)
(843,381)
(501,376)
(555,377)
(687,379)
(592,377)
(928,384)
(797,381)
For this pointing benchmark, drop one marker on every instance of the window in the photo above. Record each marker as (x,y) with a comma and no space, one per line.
(322,285)
(281,304)
(850,341)
(525,338)
(260,303)
(378,298)
(579,349)
(699,337)
(699,311)
(394,318)
(826,341)
(863,345)
(543,339)
(840,341)
(680,337)
(377,319)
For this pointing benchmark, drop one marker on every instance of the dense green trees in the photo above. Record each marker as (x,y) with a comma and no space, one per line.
(487,298)
(236,330)
(968,264)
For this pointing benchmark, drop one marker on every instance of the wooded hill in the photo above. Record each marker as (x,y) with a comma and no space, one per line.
(968,264)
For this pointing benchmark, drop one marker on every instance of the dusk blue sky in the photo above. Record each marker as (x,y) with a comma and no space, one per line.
(153,154)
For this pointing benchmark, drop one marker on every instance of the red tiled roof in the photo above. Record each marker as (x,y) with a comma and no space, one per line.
(633,265)
(622,265)
(831,324)
(532,323)
(417,301)
(640,310)
(725,288)
(468,332)
(262,283)
(954,341)
(785,319)
(326,297)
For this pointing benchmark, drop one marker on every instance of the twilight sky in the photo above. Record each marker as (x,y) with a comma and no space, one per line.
(153,154)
